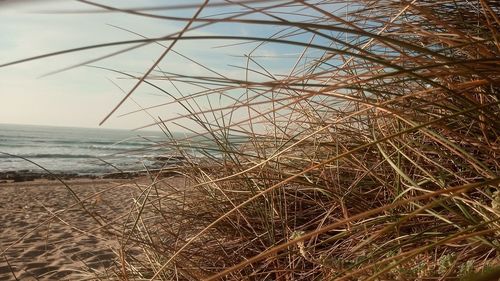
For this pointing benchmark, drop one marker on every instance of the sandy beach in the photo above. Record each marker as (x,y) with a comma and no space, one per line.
(47,235)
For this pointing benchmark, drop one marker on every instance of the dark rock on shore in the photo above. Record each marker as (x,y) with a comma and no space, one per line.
(27,175)
(18,176)
(165,165)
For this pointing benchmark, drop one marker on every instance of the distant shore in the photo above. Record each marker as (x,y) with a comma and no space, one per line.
(29,175)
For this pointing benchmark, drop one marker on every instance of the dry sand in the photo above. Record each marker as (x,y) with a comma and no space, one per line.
(46,235)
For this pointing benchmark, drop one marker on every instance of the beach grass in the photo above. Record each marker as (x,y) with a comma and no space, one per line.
(375,156)
(376,159)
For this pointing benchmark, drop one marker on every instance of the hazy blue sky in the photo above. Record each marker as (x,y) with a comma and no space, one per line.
(83,96)
(79,97)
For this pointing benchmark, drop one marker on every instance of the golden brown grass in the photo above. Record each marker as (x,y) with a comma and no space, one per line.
(373,157)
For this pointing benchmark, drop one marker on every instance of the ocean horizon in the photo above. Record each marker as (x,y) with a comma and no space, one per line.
(77,150)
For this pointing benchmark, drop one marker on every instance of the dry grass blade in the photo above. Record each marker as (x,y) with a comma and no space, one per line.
(327,148)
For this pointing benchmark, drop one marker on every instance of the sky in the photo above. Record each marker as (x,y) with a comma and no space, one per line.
(78,97)
(37,92)
(83,96)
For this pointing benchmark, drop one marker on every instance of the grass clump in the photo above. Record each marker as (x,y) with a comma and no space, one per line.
(373,156)
(398,105)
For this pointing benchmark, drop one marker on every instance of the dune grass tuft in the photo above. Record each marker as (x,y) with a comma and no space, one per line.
(374,155)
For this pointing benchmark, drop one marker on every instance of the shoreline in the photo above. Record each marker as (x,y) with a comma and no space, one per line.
(30,175)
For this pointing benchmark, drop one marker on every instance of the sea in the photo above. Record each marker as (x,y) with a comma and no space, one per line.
(77,150)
